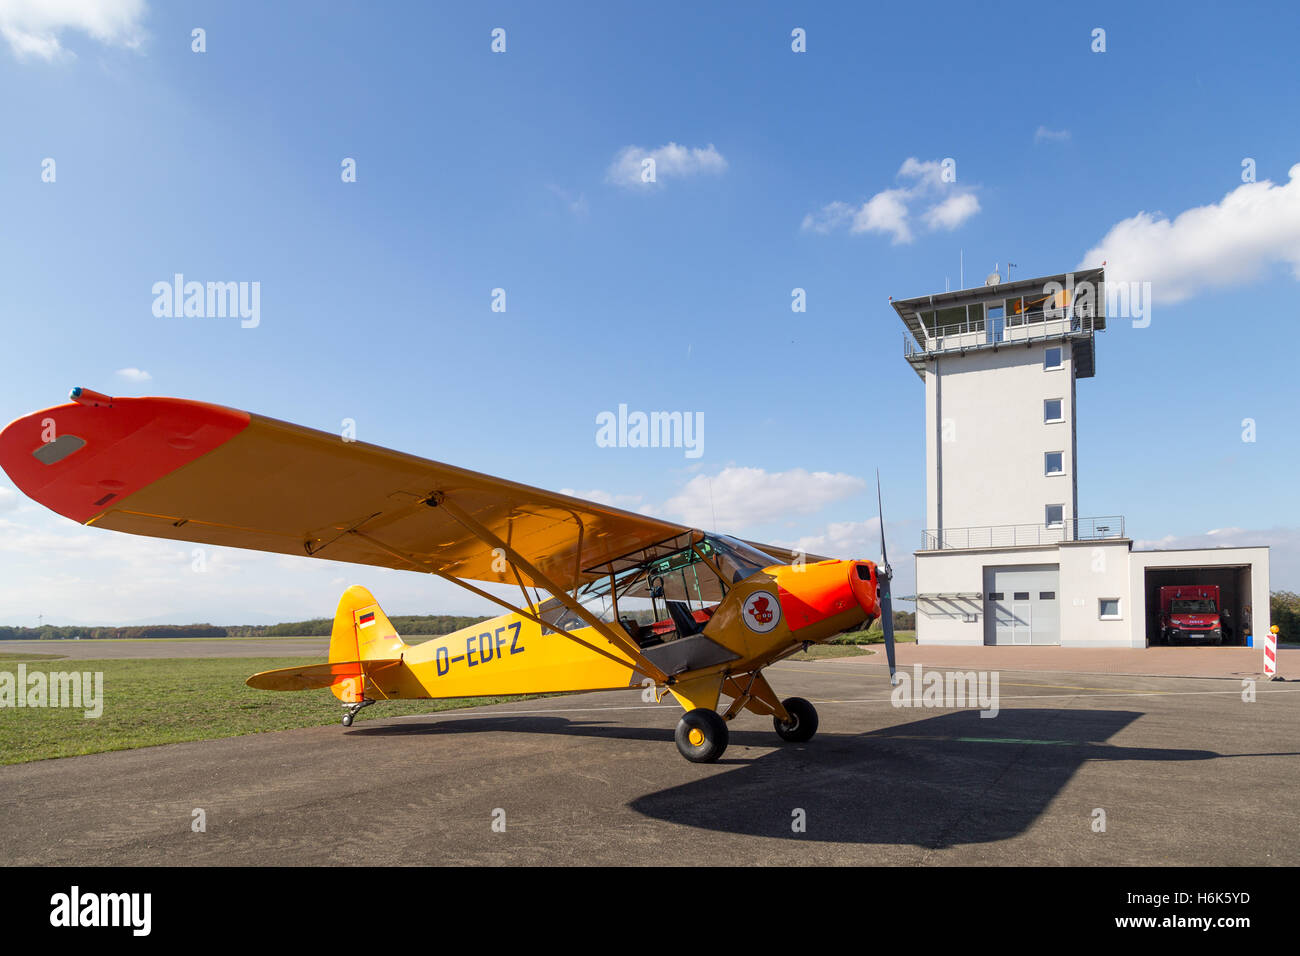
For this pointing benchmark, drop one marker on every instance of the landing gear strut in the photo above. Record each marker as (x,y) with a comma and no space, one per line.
(353,709)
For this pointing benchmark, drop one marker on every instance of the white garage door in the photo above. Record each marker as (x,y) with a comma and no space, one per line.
(1022,604)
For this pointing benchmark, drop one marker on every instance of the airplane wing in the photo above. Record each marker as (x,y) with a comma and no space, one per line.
(170,468)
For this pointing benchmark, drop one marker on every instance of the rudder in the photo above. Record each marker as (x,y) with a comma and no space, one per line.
(361,632)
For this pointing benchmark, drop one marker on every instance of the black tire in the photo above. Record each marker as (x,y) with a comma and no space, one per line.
(712,734)
(804,717)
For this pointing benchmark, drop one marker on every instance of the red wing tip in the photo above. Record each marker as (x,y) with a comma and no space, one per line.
(87,457)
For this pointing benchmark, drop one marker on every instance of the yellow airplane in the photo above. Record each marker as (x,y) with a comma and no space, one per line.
(597,599)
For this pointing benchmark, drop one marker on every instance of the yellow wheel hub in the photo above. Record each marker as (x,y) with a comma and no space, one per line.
(696,737)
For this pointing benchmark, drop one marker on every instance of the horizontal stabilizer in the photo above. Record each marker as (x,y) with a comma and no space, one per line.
(317,676)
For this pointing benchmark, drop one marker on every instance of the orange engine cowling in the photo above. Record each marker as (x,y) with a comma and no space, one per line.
(863,581)
(815,593)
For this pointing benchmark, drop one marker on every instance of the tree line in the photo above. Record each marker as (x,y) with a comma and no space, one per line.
(1284,611)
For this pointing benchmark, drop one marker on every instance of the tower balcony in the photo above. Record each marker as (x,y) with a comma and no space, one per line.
(993,335)
(1069,307)
(1022,535)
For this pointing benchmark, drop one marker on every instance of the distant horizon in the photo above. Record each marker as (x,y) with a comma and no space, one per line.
(242,624)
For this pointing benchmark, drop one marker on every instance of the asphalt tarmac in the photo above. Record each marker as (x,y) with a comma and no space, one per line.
(1179,771)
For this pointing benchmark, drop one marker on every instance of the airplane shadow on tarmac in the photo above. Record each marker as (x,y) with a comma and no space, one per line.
(954,778)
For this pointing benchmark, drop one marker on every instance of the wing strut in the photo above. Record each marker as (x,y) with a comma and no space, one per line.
(640,664)
(619,640)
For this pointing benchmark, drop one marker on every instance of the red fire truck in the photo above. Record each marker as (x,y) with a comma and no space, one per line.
(1190,613)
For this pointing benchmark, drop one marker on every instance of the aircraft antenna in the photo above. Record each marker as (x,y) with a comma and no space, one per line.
(713,511)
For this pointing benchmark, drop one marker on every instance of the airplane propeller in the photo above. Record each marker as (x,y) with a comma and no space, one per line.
(884,575)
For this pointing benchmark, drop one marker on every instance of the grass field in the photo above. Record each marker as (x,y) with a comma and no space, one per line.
(850,645)
(163,701)
(819,652)
(874,636)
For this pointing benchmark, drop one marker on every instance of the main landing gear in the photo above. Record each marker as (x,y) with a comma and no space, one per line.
(353,710)
(802,723)
(702,734)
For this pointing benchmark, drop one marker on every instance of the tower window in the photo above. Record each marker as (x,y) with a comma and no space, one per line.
(1054,463)
(1052,357)
(1055,515)
(1053,410)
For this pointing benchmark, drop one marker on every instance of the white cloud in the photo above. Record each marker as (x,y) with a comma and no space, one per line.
(33,27)
(885,212)
(1233,241)
(859,540)
(670,162)
(946,205)
(739,498)
(952,212)
(75,574)
(844,539)
(134,374)
(1045,135)
(928,173)
(829,217)
(8,499)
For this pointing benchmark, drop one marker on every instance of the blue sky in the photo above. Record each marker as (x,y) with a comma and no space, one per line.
(479,170)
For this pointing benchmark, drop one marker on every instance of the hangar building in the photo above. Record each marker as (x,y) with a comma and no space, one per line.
(1006,556)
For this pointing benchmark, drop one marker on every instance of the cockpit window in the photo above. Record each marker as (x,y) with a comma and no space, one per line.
(555,613)
(682,576)
(736,559)
(697,577)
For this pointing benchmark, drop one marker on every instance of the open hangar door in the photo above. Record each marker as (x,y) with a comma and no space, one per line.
(1234,595)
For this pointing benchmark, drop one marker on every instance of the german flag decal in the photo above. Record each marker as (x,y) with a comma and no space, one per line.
(365,620)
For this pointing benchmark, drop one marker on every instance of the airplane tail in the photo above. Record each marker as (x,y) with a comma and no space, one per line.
(363,642)
(362,631)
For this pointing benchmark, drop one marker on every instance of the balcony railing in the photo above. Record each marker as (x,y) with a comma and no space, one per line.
(990,332)
(1023,535)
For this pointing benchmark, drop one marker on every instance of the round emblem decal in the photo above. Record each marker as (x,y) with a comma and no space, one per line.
(761,612)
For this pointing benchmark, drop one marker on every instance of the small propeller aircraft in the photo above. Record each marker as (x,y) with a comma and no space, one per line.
(606,598)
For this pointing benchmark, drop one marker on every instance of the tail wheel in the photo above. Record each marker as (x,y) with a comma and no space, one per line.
(701,735)
(803,720)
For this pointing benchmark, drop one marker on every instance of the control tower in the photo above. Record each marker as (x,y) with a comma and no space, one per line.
(1000,363)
